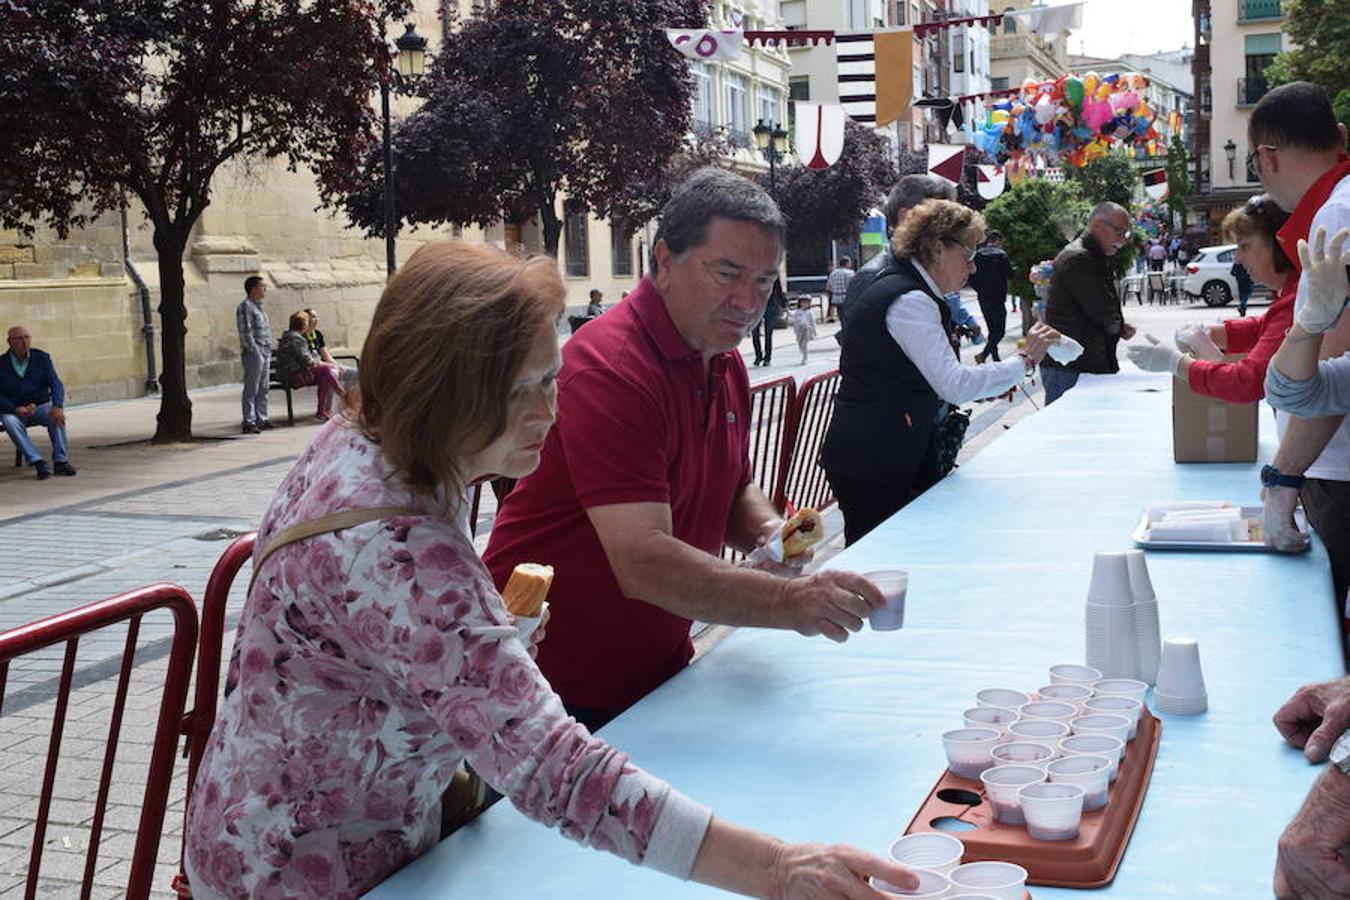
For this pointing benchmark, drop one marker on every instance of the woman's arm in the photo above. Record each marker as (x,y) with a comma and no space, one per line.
(916,325)
(1302,386)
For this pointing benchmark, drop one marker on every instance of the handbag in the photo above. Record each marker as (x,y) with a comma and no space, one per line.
(948,437)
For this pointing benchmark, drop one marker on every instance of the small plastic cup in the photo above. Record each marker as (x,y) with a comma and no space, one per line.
(1098,744)
(1047,731)
(1102,723)
(1090,772)
(1048,709)
(968,750)
(1023,753)
(1000,880)
(1001,785)
(1121,687)
(1004,697)
(990,717)
(1118,706)
(1065,693)
(893,584)
(1053,811)
(1110,584)
(930,850)
(1141,586)
(1069,673)
(1179,672)
(932,885)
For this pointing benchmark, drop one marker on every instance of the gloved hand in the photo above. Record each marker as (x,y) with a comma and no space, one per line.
(1325,274)
(1197,341)
(1277,520)
(1154,356)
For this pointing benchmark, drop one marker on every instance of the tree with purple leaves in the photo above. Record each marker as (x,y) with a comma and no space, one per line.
(103,100)
(536,98)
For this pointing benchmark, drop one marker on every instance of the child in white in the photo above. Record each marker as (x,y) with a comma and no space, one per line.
(803,325)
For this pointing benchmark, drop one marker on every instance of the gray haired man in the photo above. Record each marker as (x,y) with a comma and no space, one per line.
(255,351)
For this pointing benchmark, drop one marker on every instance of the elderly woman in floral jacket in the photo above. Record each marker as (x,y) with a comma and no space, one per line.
(374,658)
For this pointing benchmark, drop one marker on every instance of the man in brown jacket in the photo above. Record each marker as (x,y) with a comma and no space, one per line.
(1083,301)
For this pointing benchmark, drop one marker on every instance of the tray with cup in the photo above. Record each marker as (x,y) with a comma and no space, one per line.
(1061,805)
(1203,525)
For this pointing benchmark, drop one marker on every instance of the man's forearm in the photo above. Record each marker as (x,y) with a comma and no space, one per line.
(750,514)
(1304,441)
(1298,354)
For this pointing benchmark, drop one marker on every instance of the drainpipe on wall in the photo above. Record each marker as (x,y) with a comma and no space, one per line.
(148,326)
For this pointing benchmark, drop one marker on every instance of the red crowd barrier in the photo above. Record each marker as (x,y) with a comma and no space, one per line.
(804,482)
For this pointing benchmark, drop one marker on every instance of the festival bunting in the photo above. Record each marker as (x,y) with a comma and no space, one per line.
(704,43)
(819,135)
(990,181)
(946,161)
(1155,184)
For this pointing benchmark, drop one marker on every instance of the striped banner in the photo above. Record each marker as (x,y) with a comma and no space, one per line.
(876,74)
(856,57)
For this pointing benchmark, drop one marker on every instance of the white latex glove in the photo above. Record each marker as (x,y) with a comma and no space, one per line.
(1196,340)
(1278,529)
(1325,274)
(1154,356)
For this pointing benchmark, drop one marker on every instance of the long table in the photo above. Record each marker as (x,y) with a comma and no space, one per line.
(811,740)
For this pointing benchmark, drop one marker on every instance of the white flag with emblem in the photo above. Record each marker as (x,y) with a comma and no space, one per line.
(990,181)
(820,134)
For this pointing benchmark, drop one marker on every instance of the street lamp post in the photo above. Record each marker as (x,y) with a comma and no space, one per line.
(1230,151)
(411,60)
(771,140)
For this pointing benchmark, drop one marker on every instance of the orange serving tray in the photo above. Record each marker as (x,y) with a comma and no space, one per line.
(1089,860)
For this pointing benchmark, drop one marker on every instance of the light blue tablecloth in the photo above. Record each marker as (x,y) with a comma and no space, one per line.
(810,740)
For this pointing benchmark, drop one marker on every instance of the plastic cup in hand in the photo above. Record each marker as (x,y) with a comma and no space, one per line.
(1120,706)
(1110,584)
(1053,811)
(995,717)
(1090,772)
(893,584)
(930,850)
(1065,693)
(1004,697)
(1001,785)
(1047,731)
(1102,723)
(1069,673)
(1121,687)
(1179,672)
(968,750)
(1054,710)
(932,885)
(1023,753)
(1000,880)
(1095,744)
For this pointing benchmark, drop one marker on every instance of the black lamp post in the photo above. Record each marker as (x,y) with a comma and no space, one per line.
(411,60)
(1230,151)
(772,142)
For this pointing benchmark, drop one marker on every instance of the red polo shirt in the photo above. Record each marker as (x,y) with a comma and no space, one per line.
(639,421)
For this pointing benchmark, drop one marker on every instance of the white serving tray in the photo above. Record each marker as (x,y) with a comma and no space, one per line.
(1141,538)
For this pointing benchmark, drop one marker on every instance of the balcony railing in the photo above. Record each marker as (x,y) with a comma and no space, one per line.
(1254,10)
(1250,90)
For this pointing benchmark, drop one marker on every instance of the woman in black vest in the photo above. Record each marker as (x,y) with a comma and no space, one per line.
(899,370)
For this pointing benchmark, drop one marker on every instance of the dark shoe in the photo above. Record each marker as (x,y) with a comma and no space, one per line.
(43,473)
(63,468)
(250,428)
(759,361)
(265,425)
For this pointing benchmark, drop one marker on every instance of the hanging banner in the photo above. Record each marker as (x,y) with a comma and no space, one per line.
(705,44)
(990,181)
(820,134)
(874,232)
(1155,184)
(856,58)
(894,74)
(946,160)
(1049,21)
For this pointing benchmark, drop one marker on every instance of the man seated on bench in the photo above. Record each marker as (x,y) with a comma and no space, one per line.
(32,394)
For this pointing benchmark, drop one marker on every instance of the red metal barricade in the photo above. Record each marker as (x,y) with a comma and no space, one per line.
(804,482)
(196,724)
(771,405)
(68,628)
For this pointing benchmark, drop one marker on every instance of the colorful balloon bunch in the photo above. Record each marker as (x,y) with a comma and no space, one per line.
(1072,119)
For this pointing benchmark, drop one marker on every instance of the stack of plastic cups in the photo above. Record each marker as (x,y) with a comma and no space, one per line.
(1146,630)
(1110,635)
(1181,685)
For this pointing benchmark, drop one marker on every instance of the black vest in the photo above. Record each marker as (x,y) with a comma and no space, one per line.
(885,412)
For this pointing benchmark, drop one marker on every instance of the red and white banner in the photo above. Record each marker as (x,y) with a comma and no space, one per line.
(946,161)
(990,181)
(1155,184)
(820,134)
(705,43)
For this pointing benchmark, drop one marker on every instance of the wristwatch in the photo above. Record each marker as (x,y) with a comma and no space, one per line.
(1273,477)
(1340,753)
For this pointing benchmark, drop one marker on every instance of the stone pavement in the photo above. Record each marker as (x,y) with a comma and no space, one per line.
(137,514)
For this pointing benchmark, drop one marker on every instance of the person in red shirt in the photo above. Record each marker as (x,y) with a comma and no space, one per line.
(1253,228)
(646,474)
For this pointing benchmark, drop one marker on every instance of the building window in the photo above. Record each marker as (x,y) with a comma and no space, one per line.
(737,111)
(576,241)
(958,51)
(1009,22)
(701,98)
(900,10)
(621,248)
(799,88)
(767,106)
(857,13)
(998,84)
(1261,51)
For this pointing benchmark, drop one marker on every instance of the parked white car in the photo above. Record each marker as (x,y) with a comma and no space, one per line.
(1209,275)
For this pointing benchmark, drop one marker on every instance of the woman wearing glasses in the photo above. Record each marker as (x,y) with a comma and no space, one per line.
(899,371)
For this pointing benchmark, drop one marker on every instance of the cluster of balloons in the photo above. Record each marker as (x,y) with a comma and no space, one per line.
(1073,119)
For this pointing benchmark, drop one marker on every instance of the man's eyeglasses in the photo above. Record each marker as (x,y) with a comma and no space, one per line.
(1254,159)
(1122,232)
(970,251)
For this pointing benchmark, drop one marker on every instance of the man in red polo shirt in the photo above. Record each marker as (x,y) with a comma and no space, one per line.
(646,473)
(1298,149)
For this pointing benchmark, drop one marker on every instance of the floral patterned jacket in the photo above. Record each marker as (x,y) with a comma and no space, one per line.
(367,665)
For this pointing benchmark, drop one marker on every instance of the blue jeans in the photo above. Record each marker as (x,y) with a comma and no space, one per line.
(14,427)
(1057,381)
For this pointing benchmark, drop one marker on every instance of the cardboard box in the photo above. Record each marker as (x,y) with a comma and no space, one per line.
(1208,430)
